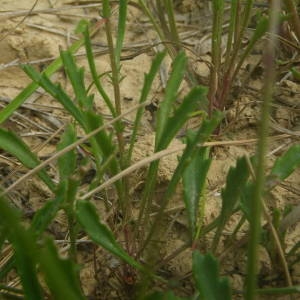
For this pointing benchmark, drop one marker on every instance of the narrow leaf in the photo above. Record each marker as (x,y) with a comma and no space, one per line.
(148,81)
(194,178)
(202,134)
(99,233)
(60,274)
(236,179)
(93,70)
(47,213)
(67,162)
(208,282)
(170,96)
(181,115)
(102,143)
(246,200)
(25,250)
(235,183)
(31,88)
(12,144)
(287,163)
(121,29)
(56,91)
(76,76)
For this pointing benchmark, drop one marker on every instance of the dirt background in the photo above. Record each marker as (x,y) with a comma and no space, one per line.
(36,39)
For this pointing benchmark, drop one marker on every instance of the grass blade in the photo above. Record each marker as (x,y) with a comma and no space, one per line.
(92,66)
(172,87)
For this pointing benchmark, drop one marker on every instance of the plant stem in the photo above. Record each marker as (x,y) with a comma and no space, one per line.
(216,49)
(71,191)
(295,21)
(255,222)
(172,23)
(115,79)
(123,198)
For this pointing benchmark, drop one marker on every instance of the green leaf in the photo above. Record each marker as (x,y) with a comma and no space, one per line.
(295,73)
(60,274)
(121,29)
(56,91)
(202,134)
(24,248)
(208,282)
(67,162)
(235,183)
(246,200)
(47,213)
(260,30)
(102,144)
(148,81)
(194,178)
(181,115)
(100,234)
(12,144)
(93,70)
(172,87)
(287,163)
(81,26)
(236,179)
(31,88)
(76,76)
(103,140)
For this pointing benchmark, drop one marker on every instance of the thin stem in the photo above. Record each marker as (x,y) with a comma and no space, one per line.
(216,49)
(172,23)
(255,223)
(124,195)
(295,21)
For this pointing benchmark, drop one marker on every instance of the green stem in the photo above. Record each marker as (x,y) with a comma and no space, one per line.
(172,23)
(124,197)
(71,190)
(295,21)
(216,49)
(255,222)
